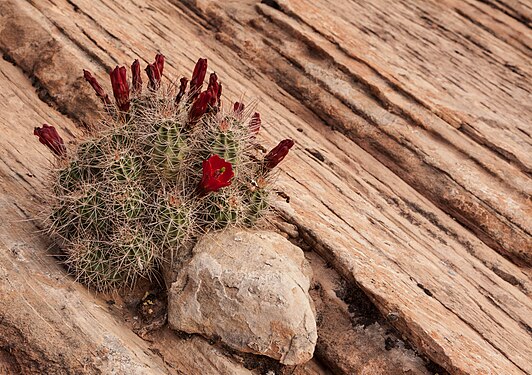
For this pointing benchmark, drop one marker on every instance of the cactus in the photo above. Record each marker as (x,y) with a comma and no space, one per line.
(128,203)
(69,178)
(168,165)
(220,210)
(174,221)
(125,167)
(89,209)
(134,253)
(92,264)
(170,149)
(226,145)
(257,205)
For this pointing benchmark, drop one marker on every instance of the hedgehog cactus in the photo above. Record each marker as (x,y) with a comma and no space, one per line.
(168,165)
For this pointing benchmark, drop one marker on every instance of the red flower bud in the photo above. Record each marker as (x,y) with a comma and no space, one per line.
(49,137)
(238,109)
(182,88)
(120,87)
(215,88)
(277,154)
(159,61)
(137,79)
(224,125)
(200,106)
(100,92)
(217,173)
(198,76)
(254,124)
(219,97)
(155,72)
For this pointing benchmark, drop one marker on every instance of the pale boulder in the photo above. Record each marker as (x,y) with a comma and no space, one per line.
(250,289)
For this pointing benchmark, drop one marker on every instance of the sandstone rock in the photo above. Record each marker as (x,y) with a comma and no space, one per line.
(449,118)
(250,289)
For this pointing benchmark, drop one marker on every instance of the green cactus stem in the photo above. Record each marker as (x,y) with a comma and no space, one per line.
(173,223)
(256,205)
(226,145)
(221,210)
(170,149)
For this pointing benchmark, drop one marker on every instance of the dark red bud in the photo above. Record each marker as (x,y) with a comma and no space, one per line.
(219,98)
(254,124)
(277,154)
(182,89)
(159,61)
(137,79)
(198,76)
(200,106)
(120,87)
(213,82)
(215,89)
(155,72)
(238,109)
(100,92)
(49,137)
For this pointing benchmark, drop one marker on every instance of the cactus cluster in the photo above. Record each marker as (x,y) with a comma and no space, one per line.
(168,164)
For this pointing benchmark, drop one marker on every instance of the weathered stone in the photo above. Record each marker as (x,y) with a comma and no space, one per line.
(250,289)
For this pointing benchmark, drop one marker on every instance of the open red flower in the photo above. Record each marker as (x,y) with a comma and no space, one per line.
(49,137)
(198,76)
(155,72)
(217,173)
(120,87)
(277,154)
(100,92)
(137,79)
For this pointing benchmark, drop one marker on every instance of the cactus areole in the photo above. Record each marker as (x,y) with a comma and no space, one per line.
(168,165)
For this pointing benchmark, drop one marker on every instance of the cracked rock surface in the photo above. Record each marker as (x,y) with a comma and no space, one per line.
(250,290)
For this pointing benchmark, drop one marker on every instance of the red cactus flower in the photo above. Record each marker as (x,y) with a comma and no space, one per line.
(155,72)
(219,96)
(254,124)
(277,154)
(238,109)
(213,83)
(198,76)
(159,61)
(120,87)
(217,173)
(100,92)
(49,137)
(215,89)
(182,87)
(200,106)
(137,79)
